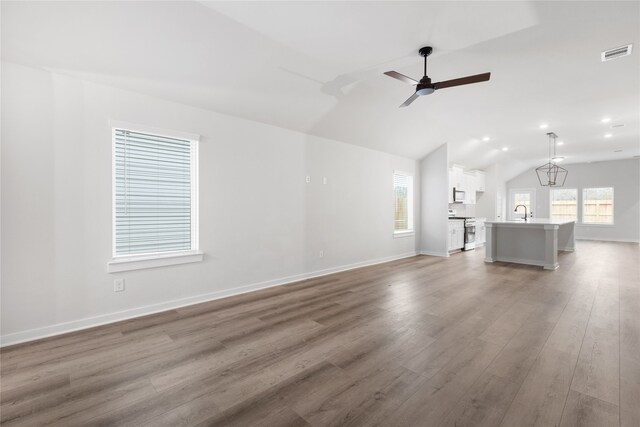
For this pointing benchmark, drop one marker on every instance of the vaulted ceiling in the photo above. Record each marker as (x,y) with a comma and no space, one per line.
(316,67)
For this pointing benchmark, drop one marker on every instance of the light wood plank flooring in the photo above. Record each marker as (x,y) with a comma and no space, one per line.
(422,341)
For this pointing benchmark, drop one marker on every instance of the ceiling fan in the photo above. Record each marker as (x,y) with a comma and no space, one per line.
(425,87)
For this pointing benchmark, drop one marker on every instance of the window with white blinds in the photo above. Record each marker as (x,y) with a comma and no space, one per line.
(403,202)
(154,194)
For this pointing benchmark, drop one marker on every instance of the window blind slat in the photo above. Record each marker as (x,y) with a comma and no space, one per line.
(152,193)
(402,201)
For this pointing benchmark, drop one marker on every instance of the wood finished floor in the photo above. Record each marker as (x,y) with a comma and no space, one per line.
(422,341)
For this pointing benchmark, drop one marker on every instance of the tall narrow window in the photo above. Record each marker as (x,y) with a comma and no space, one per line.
(597,205)
(155,181)
(564,203)
(403,202)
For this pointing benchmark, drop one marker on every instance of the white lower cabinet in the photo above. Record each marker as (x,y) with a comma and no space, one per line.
(456,234)
(481,233)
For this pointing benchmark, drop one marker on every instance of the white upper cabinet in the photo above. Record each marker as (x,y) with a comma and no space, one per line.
(480,180)
(470,188)
(469,182)
(456,177)
(450,186)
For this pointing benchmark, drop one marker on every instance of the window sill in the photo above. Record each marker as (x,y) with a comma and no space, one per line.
(400,234)
(586,224)
(129,263)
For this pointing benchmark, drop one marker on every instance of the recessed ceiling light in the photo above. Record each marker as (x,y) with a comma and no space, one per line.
(557,159)
(560,142)
(608,135)
(505,148)
(486,138)
(544,126)
(606,119)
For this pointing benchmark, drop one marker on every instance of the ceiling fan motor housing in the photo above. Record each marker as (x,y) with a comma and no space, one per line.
(424,87)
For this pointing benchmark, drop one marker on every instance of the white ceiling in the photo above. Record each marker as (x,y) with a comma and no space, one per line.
(317,67)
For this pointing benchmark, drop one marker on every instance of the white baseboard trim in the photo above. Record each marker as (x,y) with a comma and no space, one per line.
(434,253)
(103,319)
(613,239)
(519,261)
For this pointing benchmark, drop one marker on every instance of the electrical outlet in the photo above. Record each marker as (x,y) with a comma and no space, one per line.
(308,179)
(118,285)
(321,254)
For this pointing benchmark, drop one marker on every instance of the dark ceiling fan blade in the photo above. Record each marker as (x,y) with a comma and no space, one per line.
(462,81)
(401,77)
(410,100)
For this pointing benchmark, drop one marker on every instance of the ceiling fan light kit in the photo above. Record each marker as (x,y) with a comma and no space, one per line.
(425,87)
(550,174)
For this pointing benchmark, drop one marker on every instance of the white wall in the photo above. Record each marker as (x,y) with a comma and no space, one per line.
(623,175)
(434,183)
(260,223)
(491,203)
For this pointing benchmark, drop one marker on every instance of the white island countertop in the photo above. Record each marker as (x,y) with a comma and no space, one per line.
(530,221)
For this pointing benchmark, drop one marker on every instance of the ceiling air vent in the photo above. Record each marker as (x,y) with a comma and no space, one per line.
(618,52)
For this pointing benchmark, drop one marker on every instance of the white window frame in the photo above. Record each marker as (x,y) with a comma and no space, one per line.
(578,204)
(410,231)
(120,263)
(613,207)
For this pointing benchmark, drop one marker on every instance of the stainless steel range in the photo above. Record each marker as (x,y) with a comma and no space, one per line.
(469,230)
(469,234)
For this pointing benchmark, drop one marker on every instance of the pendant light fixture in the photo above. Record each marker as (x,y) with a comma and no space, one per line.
(550,174)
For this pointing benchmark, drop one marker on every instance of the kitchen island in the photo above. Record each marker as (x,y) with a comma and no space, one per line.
(534,242)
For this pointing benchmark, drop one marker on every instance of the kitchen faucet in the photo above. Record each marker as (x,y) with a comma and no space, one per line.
(525,211)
